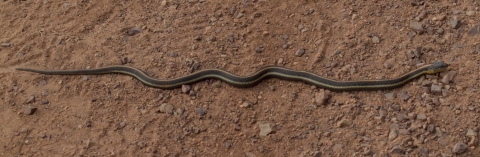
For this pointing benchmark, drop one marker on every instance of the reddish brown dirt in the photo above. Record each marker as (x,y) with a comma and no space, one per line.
(115,115)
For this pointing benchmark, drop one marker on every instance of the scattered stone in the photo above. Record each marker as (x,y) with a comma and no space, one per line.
(474,30)
(227,144)
(265,128)
(201,111)
(459,148)
(31,99)
(375,40)
(122,125)
(421,117)
(259,49)
(470,13)
(337,147)
(29,110)
(285,46)
(387,65)
(6,44)
(390,95)
(397,150)
(393,134)
(404,96)
(245,105)
(412,116)
(440,31)
(186,88)
(166,108)
(300,52)
(198,38)
(454,23)
(416,26)
(321,97)
(402,117)
(134,31)
(403,131)
(439,18)
(196,130)
(344,123)
(317,154)
(424,151)
(471,132)
(124,60)
(436,89)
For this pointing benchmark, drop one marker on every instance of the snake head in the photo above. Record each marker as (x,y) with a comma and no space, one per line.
(437,67)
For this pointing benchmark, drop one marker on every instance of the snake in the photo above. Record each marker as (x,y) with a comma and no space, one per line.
(255,78)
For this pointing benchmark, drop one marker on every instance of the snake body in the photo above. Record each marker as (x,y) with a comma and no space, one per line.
(255,78)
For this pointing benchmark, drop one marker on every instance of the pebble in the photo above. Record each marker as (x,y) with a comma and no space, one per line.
(124,60)
(134,31)
(440,31)
(404,96)
(459,148)
(424,151)
(474,30)
(265,128)
(321,97)
(470,13)
(454,23)
(198,38)
(375,40)
(29,110)
(387,65)
(166,108)
(421,117)
(393,134)
(416,26)
(300,52)
(390,95)
(245,105)
(439,18)
(436,89)
(31,99)
(227,144)
(196,130)
(6,44)
(402,117)
(201,111)
(259,49)
(397,150)
(403,131)
(471,132)
(344,123)
(186,88)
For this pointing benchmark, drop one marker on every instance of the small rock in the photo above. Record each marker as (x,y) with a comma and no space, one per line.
(265,128)
(387,65)
(317,154)
(474,30)
(29,110)
(300,52)
(404,96)
(227,144)
(198,38)
(259,49)
(436,89)
(285,46)
(245,105)
(201,111)
(439,18)
(134,31)
(471,132)
(424,151)
(459,148)
(393,134)
(416,26)
(321,97)
(31,99)
(397,150)
(421,117)
(344,123)
(166,108)
(470,13)
(390,95)
(6,44)
(124,60)
(196,130)
(186,88)
(402,117)
(454,23)
(375,40)
(440,31)
(122,125)
(403,131)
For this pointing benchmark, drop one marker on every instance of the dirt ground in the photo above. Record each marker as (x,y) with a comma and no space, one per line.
(116,115)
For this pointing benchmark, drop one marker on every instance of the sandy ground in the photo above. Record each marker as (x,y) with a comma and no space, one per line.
(116,115)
